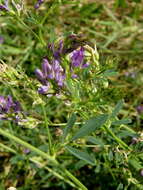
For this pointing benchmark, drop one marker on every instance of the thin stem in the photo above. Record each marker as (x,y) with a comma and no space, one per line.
(47,14)
(41,165)
(121,143)
(21,21)
(53,172)
(64,124)
(44,155)
(29,146)
(90,145)
(73,178)
(48,130)
(8,148)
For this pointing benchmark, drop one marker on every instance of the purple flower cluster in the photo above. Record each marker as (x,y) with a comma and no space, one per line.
(77,58)
(4,6)
(8,107)
(51,72)
(38,4)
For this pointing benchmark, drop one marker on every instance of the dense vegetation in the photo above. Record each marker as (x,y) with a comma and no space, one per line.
(71,103)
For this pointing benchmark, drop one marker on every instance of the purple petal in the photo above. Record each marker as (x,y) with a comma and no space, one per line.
(51,75)
(9,103)
(1,40)
(46,67)
(56,66)
(43,89)
(61,45)
(4,6)
(60,79)
(17,106)
(139,109)
(85,65)
(37,5)
(39,74)
(2,100)
(74,76)
(26,151)
(77,57)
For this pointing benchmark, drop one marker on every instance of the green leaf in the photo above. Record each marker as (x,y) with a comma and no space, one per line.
(70,124)
(81,155)
(95,140)
(135,163)
(120,187)
(12,50)
(118,107)
(109,73)
(125,133)
(80,164)
(91,125)
(122,122)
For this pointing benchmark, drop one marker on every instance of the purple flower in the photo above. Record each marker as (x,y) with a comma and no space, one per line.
(1,40)
(26,151)
(74,76)
(38,4)
(51,72)
(59,77)
(46,67)
(40,76)
(4,6)
(43,89)
(77,57)
(85,65)
(139,109)
(78,61)
(8,106)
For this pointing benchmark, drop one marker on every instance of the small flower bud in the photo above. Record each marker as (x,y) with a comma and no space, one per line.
(141,172)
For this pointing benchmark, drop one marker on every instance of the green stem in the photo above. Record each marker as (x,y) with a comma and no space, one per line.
(29,146)
(119,141)
(48,12)
(48,130)
(53,172)
(73,178)
(7,148)
(64,124)
(26,26)
(44,155)
(40,165)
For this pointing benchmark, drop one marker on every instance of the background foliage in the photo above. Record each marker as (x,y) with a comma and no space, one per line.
(104,156)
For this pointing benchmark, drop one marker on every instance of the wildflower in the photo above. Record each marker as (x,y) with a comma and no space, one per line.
(43,89)
(26,151)
(78,61)
(1,40)
(40,76)
(8,107)
(139,109)
(57,52)
(77,57)
(50,73)
(38,4)
(4,6)
(74,76)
